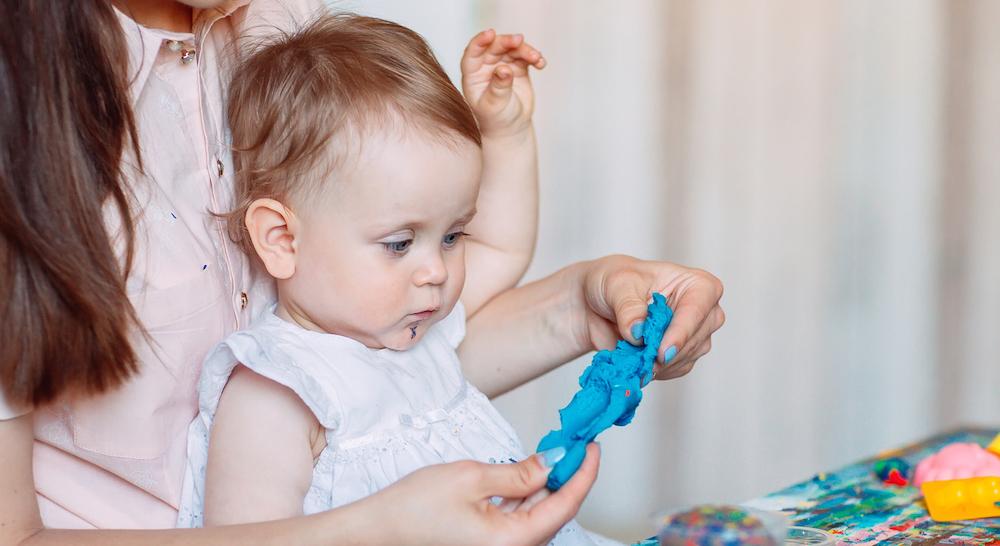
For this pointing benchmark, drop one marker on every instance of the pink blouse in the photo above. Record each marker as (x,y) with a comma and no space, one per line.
(116,460)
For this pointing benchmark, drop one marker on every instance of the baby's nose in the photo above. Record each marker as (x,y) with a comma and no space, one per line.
(431,271)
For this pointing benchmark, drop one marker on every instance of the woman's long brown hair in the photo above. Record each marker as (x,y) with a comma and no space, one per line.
(65,120)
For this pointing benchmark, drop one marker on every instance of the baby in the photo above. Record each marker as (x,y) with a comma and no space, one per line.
(358,172)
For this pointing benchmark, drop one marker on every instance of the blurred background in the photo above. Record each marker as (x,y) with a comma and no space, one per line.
(834,162)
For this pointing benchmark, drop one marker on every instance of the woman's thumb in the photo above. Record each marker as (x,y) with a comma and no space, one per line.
(518,480)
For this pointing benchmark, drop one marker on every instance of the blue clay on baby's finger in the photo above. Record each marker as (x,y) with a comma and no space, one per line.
(610,392)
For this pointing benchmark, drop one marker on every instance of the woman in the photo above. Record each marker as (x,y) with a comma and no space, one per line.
(116,282)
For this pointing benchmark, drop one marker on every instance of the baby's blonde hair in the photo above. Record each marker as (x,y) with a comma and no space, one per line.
(341,75)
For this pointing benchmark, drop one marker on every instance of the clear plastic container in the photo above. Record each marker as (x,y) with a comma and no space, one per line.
(808,535)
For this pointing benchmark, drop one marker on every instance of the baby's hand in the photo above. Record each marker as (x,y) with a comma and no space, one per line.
(495,81)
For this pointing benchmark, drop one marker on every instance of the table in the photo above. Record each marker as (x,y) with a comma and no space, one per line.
(853,505)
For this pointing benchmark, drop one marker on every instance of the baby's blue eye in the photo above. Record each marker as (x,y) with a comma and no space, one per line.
(452,239)
(398,247)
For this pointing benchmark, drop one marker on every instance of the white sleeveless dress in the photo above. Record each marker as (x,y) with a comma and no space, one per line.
(386,413)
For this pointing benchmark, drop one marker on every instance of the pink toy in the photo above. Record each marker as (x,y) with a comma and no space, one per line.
(955,462)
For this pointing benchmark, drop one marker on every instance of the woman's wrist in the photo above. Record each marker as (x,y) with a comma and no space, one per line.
(361,522)
(577,280)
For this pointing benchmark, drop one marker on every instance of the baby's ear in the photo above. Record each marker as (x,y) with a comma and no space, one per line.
(272,230)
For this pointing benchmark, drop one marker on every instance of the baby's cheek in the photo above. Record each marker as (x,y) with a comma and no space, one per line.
(375,313)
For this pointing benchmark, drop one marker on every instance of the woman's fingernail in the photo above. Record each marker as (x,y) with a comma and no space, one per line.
(552,456)
(637,330)
(670,353)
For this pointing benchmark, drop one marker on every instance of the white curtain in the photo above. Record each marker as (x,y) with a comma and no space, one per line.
(833,162)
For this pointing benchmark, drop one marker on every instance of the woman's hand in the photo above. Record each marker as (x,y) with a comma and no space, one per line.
(450,503)
(527,331)
(617,290)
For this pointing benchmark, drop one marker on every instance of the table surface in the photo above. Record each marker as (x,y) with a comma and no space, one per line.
(853,505)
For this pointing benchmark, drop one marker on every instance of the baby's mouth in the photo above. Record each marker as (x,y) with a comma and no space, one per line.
(421,316)
(425,314)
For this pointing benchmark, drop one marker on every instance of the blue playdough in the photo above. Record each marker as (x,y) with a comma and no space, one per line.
(610,390)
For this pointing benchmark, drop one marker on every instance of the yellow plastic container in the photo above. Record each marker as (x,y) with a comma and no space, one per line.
(971,498)
(994,446)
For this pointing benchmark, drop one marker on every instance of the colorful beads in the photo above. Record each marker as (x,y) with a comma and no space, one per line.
(715,525)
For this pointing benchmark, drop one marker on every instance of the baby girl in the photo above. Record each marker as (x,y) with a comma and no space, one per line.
(358,174)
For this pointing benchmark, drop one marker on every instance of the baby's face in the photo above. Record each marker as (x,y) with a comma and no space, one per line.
(380,253)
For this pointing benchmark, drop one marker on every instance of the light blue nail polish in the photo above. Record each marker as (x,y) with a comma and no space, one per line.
(552,456)
(669,354)
(637,330)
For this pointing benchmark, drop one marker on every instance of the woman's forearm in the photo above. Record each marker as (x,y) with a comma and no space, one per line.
(358,523)
(527,331)
(348,525)
(439,504)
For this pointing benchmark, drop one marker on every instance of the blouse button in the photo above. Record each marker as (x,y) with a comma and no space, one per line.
(244,300)
(186,49)
(219,167)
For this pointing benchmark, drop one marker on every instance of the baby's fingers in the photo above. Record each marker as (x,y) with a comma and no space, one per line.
(505,43)
(501,85)
(512,47)
(527,53)
(478,46)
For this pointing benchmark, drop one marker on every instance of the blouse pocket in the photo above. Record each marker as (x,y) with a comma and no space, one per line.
(142,418)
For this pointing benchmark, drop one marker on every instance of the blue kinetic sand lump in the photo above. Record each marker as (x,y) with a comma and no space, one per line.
(610,390)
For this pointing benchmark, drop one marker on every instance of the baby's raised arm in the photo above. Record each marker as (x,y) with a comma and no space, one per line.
(496,85)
